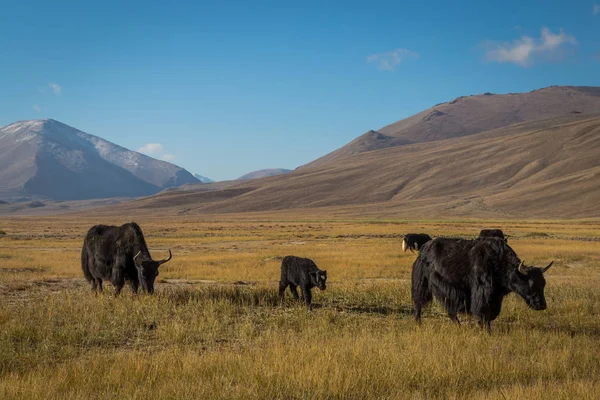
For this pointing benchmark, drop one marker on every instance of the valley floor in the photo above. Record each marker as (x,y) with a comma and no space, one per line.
(214,328)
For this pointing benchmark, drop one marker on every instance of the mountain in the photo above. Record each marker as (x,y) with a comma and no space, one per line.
(539,169)
(203,179)
(263,173)
(46,159)
(469,115)
(487,163)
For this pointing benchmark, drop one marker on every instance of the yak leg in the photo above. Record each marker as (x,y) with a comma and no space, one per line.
(97,285)
(294,290)
(307,297)
(118,280)
(134,285)
(452,298)
(482,303)
(489,312)
(485,323)
(282,287)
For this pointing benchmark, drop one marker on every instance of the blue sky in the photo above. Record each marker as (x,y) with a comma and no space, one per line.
(227,87)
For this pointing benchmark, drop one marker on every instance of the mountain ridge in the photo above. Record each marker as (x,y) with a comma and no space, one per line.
(47,159)
(468,115)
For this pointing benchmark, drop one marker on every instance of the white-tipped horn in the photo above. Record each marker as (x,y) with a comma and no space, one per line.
(136,256)
(404,245)
(547,266)
(521,269)
(166,259)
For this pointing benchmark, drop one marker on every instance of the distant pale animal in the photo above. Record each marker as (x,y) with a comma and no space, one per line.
(302,272)
(473,276)
(414,241)
(119,254)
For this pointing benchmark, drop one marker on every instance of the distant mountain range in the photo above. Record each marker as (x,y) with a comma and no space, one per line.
(203,179)
(263,173)
(46,159)
(524,155)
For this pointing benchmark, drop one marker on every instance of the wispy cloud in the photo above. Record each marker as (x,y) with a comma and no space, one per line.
(596,9)
(151,148)
(390,60)
(526,50)
(156,150)
(56,88)
(36,108)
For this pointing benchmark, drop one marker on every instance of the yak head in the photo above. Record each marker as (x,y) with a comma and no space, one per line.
(318,278)
(148,270)
(529,283)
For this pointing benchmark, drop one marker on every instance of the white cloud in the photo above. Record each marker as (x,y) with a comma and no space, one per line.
(151,148)
(56,88)
(596,9)
(36,108)
(526,50)
(390,60)
(156,150)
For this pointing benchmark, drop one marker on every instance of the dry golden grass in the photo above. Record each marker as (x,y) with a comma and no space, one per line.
(214,329)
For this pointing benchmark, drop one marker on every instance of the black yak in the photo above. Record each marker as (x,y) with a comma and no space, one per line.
(414,241)
(118,254)
(487,233)
(473,276)
(303,272)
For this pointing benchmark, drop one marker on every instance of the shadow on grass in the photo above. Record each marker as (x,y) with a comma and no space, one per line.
(267,297)
(381,310)
(238,295)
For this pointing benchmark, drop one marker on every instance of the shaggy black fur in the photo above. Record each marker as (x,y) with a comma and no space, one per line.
(108,254)
(414,241)
(473,276)
(487,233)
(303,272)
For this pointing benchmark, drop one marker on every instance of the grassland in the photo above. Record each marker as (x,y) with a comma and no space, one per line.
(215,329)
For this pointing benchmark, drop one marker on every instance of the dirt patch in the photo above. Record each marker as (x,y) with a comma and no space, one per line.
(20,270)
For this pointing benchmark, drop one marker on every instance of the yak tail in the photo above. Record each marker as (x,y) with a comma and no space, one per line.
(404,245)
(85,267)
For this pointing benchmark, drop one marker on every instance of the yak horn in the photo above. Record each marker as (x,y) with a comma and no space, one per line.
(547,266)
(520,268)
(166,259)
(138,253)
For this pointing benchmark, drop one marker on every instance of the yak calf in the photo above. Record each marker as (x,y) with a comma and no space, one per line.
(303,272)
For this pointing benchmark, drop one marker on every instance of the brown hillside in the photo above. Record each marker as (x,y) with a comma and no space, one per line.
(545,168)
(468,115)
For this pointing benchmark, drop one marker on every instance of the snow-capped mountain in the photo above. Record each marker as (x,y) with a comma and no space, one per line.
(203,179)
(48,159)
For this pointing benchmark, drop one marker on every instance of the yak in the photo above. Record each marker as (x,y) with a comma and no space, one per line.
(414,241)
(118,254)
(487,233)
(473,276)
(303,272)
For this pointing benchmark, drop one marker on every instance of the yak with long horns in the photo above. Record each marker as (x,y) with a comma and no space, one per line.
(119,254)
(473,276)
